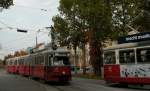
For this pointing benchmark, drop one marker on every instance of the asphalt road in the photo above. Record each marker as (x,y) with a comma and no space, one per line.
(11,82)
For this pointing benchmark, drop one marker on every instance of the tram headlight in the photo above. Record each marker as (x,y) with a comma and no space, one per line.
(63,72)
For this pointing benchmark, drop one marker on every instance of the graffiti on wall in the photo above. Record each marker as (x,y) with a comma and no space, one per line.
(142,70)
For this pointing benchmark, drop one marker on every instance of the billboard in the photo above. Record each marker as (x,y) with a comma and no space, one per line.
(145,36)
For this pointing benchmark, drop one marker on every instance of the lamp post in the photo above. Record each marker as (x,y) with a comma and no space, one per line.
(36,40)
(53,38)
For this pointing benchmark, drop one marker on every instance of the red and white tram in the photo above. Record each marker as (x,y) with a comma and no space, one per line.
(127,63)
(12,66)
(49,65)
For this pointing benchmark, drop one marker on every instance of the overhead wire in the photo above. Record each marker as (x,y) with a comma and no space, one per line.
(20,39)
(9,27)
(5,24)
(15,40)
(42,9)
(25,37)
(12,47)
(26,40)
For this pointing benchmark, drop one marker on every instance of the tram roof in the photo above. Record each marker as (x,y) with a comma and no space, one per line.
(128,45)
(16,58)
(57,50)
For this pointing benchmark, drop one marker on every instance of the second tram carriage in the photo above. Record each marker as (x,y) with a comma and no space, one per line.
(51,65)
(127,63)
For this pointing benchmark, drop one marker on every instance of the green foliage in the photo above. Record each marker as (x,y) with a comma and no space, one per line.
(142,22)
(62,30)
(6,3)
(93,12)
(124,13)
(70,26)
(84,21)
(94,21)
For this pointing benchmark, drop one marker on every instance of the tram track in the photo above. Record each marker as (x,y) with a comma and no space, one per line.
(69,88)
(77,84)
(64,87)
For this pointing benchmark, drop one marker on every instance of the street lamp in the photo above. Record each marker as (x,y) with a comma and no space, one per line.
(39,30)
(53,38)
(36,37)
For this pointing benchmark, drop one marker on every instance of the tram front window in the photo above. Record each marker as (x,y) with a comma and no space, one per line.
(61,61)
(127,56)
(143,55)
(109,57)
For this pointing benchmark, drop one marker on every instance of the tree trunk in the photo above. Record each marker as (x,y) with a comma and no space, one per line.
(96,57)
(95,52)
(75,60)
(84,59)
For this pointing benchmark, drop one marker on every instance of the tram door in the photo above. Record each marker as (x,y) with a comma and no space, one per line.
(46,65)
(111,68)
(48,60)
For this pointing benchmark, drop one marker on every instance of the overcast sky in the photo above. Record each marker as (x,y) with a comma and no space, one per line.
(28,15)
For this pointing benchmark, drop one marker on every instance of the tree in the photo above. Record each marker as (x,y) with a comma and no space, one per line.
(142,21)
(83,17)
(7,57)
(6,3)
(20,53)
(17,54)
(124,12)
(67,34)
(61,30)
(100,19)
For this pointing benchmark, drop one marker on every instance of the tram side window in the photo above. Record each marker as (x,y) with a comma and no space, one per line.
(22,61)
(42,59)
(19,61)
(49,60)
(143,55)
(109,57)
(15,62)
(10,62)
(33,60)
(39,59)
(36,61)
(66,61)
(127,56)
(46,60)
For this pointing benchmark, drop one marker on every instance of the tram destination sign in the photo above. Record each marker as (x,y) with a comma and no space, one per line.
(145,36)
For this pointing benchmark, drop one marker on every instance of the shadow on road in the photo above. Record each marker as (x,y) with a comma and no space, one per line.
(58,83)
